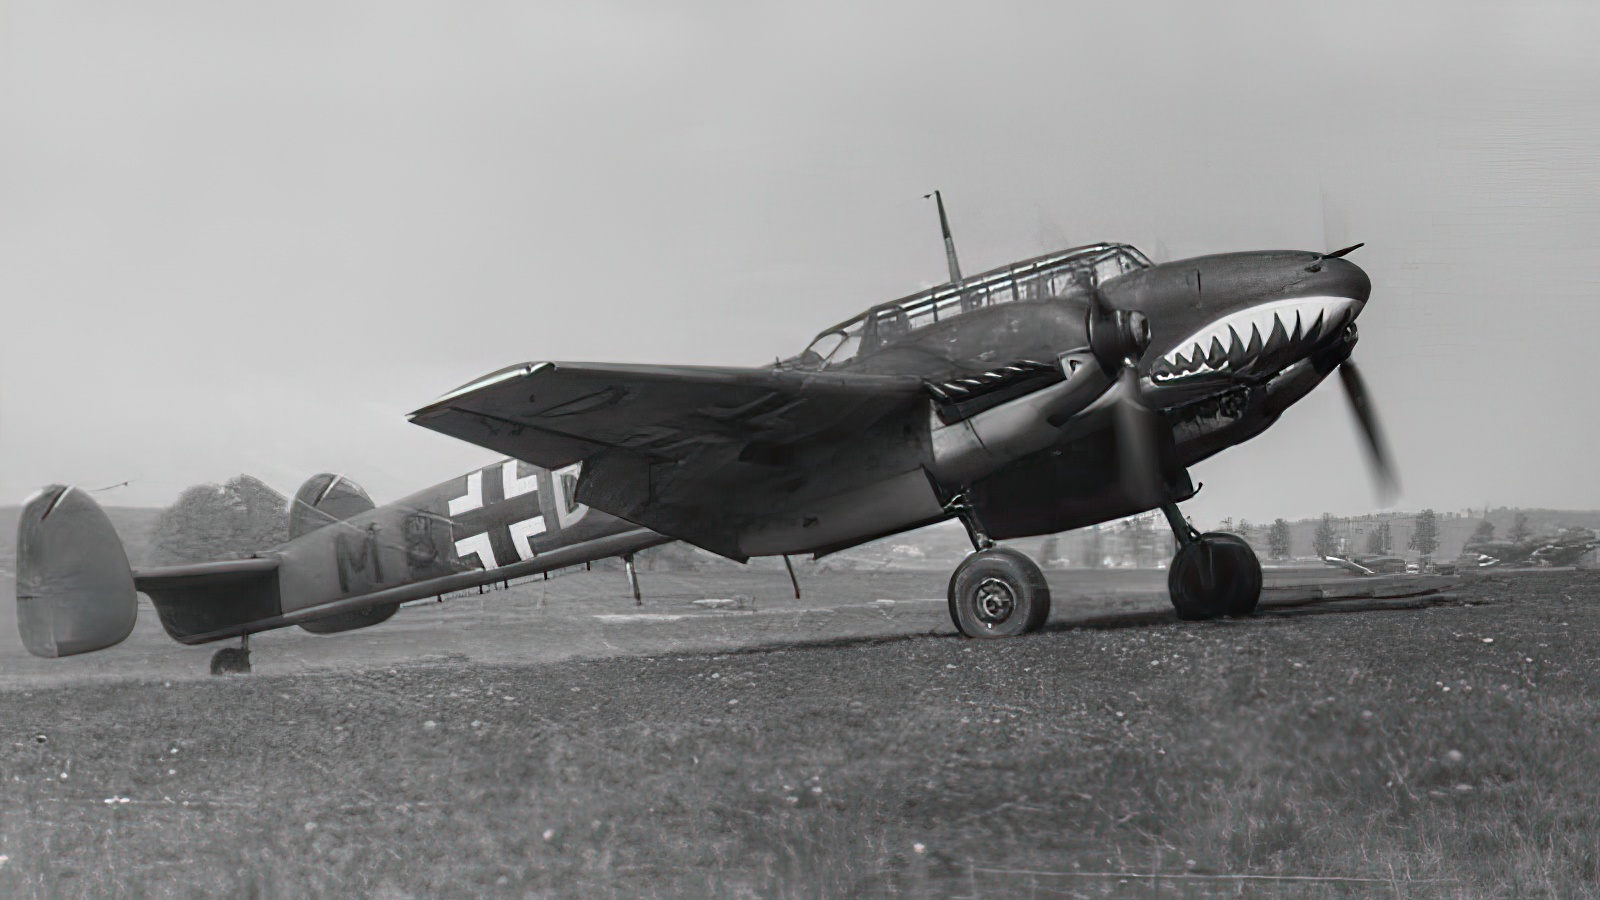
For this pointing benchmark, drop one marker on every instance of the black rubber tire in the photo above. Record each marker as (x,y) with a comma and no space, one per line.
(231,661)
(1215,575)
(998,593)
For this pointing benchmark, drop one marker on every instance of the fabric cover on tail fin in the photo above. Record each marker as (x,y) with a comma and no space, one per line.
(323,499)
(74,588)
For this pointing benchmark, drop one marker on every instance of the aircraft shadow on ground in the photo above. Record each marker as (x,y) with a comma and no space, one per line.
(1271,612)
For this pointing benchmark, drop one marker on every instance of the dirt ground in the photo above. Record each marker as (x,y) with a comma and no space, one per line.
(556,740)
(593,615)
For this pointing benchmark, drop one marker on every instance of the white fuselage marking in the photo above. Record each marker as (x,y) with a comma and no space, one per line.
(473,499)
(566,515)
(522,534)
(514,486)
(478,544)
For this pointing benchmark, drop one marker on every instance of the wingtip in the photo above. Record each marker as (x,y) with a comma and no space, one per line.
(441,405)
(427,412)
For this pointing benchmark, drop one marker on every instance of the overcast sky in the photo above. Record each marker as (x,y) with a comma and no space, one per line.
(250,237)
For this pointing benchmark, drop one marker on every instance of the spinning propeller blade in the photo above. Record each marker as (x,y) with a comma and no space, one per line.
(1355,390)
(1138,456)
(1118,339)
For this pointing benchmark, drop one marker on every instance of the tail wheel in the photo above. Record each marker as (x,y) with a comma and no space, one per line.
(231,661)
(1214,575)
(998,593)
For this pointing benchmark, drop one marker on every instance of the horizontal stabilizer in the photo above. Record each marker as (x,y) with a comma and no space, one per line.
(75,591)
(210,601)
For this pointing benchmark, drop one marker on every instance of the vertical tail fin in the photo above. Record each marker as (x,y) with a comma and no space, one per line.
(323,499)
(75,591)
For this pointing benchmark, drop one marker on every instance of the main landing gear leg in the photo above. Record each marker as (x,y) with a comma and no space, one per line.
(1213,574)
(792,579)
(633,579)
(232,660)
(996,591)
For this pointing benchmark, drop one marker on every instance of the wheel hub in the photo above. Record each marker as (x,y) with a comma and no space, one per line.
(994,601)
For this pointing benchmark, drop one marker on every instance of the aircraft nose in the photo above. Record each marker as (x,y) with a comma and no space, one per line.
(1257,313)
(1341,278)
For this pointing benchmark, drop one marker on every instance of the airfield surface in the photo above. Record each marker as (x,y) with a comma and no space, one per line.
(592,615)
(556,740)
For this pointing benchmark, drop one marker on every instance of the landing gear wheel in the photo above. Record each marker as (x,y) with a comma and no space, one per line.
(1214,575)
(231,661)
(998,593)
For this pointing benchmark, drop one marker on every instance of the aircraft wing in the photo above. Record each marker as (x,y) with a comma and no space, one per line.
(679,449)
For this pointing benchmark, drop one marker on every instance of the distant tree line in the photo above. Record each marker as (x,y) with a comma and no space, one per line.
(1423,533)
(1425,536)
(1278,539)
(1380,540)
(1325,542)
(220,521)
(1326,539)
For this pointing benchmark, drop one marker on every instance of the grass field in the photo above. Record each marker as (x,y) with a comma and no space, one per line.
(1443,751)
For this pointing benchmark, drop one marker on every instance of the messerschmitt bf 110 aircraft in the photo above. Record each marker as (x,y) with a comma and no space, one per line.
(1049,394)
(1045,395)
(348,563)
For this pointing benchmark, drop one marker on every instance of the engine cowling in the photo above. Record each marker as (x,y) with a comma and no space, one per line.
(968,449)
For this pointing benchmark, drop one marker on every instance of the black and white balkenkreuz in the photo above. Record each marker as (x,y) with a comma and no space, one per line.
(503,511)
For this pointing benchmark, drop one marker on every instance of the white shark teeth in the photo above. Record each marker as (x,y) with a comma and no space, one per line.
(1236,339)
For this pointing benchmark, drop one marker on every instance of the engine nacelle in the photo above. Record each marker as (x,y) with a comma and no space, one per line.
(971,448)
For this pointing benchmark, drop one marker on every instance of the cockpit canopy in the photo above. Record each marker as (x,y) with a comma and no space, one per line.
(1067,273)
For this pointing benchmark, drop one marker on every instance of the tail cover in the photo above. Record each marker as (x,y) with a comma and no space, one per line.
(74,588)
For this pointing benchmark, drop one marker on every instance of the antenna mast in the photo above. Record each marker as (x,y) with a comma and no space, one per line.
(949,242)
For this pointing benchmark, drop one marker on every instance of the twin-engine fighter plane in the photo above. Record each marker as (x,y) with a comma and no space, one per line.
(1053,393)
(348,564)
(1049,394)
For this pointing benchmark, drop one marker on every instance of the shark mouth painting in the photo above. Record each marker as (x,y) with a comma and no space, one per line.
(1277,332)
